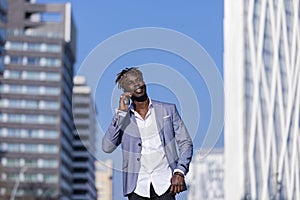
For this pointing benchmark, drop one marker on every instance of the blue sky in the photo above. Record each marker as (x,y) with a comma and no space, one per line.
(201,20)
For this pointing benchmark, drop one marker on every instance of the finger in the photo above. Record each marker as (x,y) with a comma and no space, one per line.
(177,190)
(125,98)
(122,105)
(127,94)
(172,192)
(181,187)
(121,101)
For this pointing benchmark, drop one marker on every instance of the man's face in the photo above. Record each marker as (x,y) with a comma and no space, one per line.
(135,85)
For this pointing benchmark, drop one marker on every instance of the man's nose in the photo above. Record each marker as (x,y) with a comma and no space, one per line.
(137,83)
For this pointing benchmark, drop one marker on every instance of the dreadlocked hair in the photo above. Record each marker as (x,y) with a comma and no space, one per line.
(123,74)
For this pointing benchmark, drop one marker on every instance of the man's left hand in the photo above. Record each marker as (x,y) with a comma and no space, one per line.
(177,183)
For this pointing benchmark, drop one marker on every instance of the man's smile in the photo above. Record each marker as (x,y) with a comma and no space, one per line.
(139,90)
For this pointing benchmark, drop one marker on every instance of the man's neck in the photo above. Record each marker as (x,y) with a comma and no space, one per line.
(141,105)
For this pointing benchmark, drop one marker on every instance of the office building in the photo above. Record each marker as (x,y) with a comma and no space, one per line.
(262,99)
(104,175)
(206,176)
(36,124)
(84,187)
(3,19)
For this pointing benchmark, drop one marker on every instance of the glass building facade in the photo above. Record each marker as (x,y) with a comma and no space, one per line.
(261,73)
(36,122)
(84,144)
(3,20)
(205,179)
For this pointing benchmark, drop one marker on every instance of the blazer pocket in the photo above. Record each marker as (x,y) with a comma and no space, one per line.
(166,117)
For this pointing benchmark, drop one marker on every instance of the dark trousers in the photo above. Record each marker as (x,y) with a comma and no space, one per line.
(153,196)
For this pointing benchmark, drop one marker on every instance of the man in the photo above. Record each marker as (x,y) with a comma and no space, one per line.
(148,132)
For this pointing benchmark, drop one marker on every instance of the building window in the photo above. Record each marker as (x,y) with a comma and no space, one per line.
(13,162)
(12,74)
(28,177)
(32,89)
(33,61)
(50,163)
(31,163)
(33,75)
(30,148)
(31,104)
(50,178)
(34,46)
(50,62)
(52,77)
(53,48)
(50,134)
(29,89)
(50,119)
(52,91)
(15,103)
(52,105)
(12,176)
(31,118)
(14,45)
(15,88)
(47,148)
(14,118)
(13,147)
(16,60)
(14,132)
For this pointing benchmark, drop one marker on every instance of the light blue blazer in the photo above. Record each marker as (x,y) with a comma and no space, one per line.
(172,131)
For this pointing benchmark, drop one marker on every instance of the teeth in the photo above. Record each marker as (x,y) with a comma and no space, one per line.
(138,90)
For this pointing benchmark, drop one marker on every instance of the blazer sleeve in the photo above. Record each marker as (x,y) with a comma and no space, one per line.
(113,136)
(184,142)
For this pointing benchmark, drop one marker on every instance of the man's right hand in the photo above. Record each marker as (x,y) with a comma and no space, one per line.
(124,101)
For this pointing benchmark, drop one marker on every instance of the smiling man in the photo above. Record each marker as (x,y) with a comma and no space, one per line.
(148,132)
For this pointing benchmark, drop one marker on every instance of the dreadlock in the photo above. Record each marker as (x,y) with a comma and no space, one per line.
(123,74)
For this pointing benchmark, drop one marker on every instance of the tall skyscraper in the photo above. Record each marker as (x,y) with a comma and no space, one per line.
(262,99)
(206,176)
(36,125)
(3,19)
(84,187)
(104,175)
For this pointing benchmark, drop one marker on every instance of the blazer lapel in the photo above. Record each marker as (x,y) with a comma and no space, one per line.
(159,114)
(132,127)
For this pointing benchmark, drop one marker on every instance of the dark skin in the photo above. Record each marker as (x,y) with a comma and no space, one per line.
(141,107)
(177,183)
(133,87)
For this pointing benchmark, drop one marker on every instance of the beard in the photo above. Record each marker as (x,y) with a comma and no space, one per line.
(142,98)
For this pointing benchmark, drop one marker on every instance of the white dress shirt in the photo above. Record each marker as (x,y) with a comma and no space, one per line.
(154,164)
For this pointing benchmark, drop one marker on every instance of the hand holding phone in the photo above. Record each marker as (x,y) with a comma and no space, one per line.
(124,101)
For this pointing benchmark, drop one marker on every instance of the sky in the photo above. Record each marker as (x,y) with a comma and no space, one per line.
(171,76)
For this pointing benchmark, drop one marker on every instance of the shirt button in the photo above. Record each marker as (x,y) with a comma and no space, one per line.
(139,144)
(138,159)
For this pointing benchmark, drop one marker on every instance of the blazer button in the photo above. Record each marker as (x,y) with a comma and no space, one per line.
(138,159)
(139,144)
